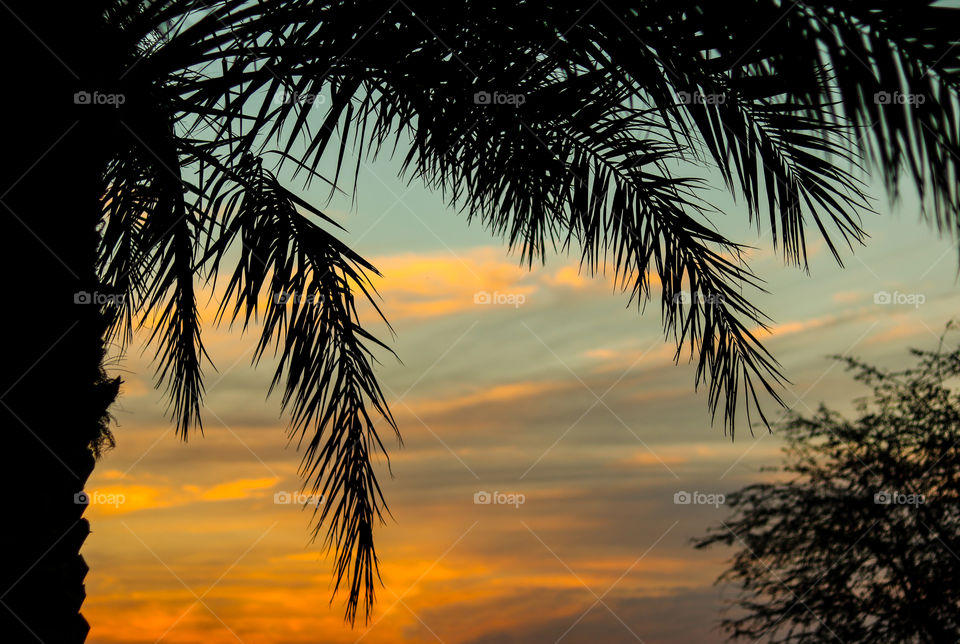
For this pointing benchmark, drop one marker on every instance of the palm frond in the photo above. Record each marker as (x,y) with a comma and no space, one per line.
(310,320)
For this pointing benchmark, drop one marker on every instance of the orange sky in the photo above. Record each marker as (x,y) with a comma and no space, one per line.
(564,396)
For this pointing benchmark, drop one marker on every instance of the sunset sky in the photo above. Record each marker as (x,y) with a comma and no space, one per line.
(557,390)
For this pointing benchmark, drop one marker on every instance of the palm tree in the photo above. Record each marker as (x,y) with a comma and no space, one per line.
(151,134)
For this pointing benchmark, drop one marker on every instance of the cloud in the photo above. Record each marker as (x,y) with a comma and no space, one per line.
(695,453)
(570,276)
(796,326)
(239,489)
(120,498)
(489,395)
(645,458)
(425,285)
(847,297)
(901,329)
(658,353)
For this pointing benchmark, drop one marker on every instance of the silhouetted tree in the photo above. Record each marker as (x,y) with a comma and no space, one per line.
(144,140)
(859,540)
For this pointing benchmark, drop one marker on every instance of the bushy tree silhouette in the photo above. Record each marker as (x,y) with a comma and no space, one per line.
(860,542)
(146,138)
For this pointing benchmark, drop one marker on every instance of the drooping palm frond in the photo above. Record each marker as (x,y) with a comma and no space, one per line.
(612,101)
(310,319)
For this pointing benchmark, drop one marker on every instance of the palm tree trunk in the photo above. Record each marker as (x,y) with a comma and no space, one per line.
(53,390)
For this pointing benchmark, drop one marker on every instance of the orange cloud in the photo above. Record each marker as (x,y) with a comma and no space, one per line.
(847,297)
(495,394)
(446,283)
(721,451)
(132,497)
(789,328)
(570,276)
(899,331)
(657,354)
(239,489)
(647,458)
(121,499)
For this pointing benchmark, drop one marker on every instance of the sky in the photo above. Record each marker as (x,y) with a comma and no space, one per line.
(543,391)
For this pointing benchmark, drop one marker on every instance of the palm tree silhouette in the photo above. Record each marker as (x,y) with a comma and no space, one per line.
(145,139)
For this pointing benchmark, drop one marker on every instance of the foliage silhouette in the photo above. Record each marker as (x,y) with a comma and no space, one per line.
(858,542)
(219,99)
